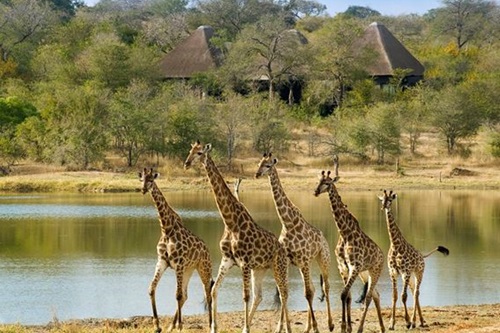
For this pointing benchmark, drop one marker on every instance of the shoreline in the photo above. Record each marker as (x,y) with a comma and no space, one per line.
(440,319)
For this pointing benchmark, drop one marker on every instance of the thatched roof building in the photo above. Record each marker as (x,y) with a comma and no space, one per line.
(390,55)
(194,55)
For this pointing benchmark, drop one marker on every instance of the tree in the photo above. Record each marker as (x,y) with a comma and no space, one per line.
(384,130)
(335,67)
(22,25)
(454,115)
(13,112)
(132,121)
(464,20)
(268,51)
(361,12)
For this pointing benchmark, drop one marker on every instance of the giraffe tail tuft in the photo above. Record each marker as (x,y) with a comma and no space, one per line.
(362,297)
(441,249)
(322,296)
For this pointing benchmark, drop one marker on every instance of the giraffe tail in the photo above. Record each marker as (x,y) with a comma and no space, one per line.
(322,297)
(277,300)
(205,303)
(441,249)
(362,297)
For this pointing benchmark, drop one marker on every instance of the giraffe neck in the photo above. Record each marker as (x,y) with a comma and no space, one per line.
(281,201)
(167,216)
(226,201)
(345,221)
(395,233)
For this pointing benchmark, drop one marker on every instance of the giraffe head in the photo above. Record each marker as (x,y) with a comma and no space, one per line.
(197,152)
(147,178)
(266,164)
(325,183)
(387,199)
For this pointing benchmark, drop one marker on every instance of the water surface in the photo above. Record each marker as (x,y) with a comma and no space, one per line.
(70,256)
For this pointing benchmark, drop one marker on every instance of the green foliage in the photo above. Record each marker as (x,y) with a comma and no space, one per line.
(495,144)
(13,111)
(273,136)
(361,12)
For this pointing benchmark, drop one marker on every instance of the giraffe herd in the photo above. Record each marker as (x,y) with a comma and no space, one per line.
(255,250)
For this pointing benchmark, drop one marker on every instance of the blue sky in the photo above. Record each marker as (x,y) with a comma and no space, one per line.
(385,7)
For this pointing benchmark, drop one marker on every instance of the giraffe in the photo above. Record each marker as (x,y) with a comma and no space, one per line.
(244,243)
(357,254)
(404,259)
(302,241)
(179,249)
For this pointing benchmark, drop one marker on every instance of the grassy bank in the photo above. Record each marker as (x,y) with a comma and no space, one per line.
(304,177)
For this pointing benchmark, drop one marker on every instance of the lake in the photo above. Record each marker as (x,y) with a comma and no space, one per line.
(73,256)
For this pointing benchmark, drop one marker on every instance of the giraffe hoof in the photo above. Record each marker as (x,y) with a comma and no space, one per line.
(158,330)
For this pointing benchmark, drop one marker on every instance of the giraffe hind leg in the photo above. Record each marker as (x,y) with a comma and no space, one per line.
(309,294)
(183,276)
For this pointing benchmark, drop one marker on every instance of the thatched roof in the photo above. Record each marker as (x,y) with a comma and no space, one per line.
(193,55)
(391,54)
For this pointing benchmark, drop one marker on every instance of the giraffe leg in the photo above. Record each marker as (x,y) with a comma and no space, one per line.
(225,264)
(372,294)
(324,265)
(205,273)
(376,300)
(416,297)
(257,276)
(309,294)
(345,296)
(183,276)
(246,297)
(280,271)
(404,297)
(394,300)
(161,266)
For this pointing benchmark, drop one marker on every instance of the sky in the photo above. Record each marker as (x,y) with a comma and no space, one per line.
(385,7)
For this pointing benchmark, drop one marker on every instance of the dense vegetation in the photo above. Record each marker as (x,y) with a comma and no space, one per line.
(79,84)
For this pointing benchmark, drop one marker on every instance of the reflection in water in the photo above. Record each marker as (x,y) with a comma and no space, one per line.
(80,256)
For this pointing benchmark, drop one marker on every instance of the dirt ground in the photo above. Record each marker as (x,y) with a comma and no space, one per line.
(461,318)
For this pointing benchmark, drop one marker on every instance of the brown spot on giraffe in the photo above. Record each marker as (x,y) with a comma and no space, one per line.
(179,249)
(303,242)
(238,245)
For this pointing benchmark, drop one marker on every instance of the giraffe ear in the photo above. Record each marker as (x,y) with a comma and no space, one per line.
(336,179)
(156,175)
(140,175)
(208,148)
(394,196)
(380,197)
(275,161)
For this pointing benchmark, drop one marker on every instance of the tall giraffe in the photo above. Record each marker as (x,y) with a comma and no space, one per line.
(302,241)
(358,255)
(179,249)
(245,244)
(404,259)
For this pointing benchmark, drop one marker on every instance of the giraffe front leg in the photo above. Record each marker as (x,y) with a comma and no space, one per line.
(161,266)
(183,276)
(404,297)
(225,264)
(345,296)
(257,276)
